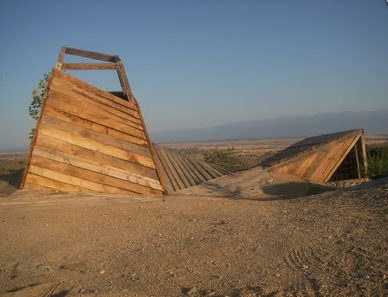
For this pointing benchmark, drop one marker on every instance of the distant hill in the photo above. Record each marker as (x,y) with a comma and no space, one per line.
(281,127)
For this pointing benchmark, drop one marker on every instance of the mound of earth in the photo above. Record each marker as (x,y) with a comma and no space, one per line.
(255,183)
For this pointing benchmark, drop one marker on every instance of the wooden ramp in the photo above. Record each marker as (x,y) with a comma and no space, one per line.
(90,140)
(180,171)
(330,157)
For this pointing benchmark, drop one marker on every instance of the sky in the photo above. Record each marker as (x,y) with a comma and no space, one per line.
(203,63)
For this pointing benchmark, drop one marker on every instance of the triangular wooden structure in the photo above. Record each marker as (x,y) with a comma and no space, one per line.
(90,140)
(331,157)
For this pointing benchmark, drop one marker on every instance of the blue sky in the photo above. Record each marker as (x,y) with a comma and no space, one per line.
(203,63)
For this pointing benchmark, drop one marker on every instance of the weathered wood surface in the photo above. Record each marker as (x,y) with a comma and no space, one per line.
(181,171)
(316,158)
(89,140)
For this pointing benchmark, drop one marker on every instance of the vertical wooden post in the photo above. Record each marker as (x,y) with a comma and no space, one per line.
(357,160)
(364,155)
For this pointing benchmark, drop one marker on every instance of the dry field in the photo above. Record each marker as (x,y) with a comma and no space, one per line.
(250,234)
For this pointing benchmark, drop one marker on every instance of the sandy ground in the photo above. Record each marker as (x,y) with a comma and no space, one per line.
(331,244)
(250,234)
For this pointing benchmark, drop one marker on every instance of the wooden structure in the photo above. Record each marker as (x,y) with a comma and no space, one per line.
(90,140)
(330,157)
(180,171)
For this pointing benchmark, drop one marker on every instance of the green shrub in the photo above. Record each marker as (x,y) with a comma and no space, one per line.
(230,159)
(378,161)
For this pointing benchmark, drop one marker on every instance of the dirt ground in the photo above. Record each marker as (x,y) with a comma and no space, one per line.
(331,244)
(250,234)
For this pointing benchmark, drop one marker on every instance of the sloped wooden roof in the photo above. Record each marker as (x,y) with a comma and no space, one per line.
(306,145)
(319,158)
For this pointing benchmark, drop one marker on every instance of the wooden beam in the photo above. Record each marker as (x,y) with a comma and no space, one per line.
(364,155)
(89,54)
(357,160)
(124,81)
(88,66)
(61,55)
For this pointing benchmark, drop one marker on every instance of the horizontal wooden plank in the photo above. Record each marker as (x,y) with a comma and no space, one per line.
(95,107)
(141,184)
(91,155)
(104,180)
(74,90)
(89,54)
(70,175)
(69,118)
(88,66)
(57,132)
(95,118)
(88,186)
(96,136)
(36,187)
(33,179)
(84,85)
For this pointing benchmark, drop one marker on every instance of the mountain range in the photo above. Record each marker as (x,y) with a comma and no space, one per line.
(281,127)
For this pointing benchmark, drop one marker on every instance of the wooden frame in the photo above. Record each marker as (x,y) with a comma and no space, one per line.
(109,62)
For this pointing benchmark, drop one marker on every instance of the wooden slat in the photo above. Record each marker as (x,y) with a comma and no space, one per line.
(88,186)
(178,169)
(98,119)
(203,172)
(114,184)
(173,169)
(168,187)
(143,182)
(88,66)
(210,169)
(364,156)
(70,88)
(199,177)
(69,118)
(103,159)
(186,170)
(93,106)
(95,145)
(33,179)
(84,85)
(89,54)
(96,136)
(36,187)
(168,169)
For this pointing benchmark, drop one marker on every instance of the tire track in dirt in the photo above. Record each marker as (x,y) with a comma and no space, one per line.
(302,266)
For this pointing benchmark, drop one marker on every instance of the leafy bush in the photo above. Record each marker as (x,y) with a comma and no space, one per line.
(230,159)
(378,161)
(37,99)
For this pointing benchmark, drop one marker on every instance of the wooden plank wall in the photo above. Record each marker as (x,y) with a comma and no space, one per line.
(180,171)
(89,140)
(320,164)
